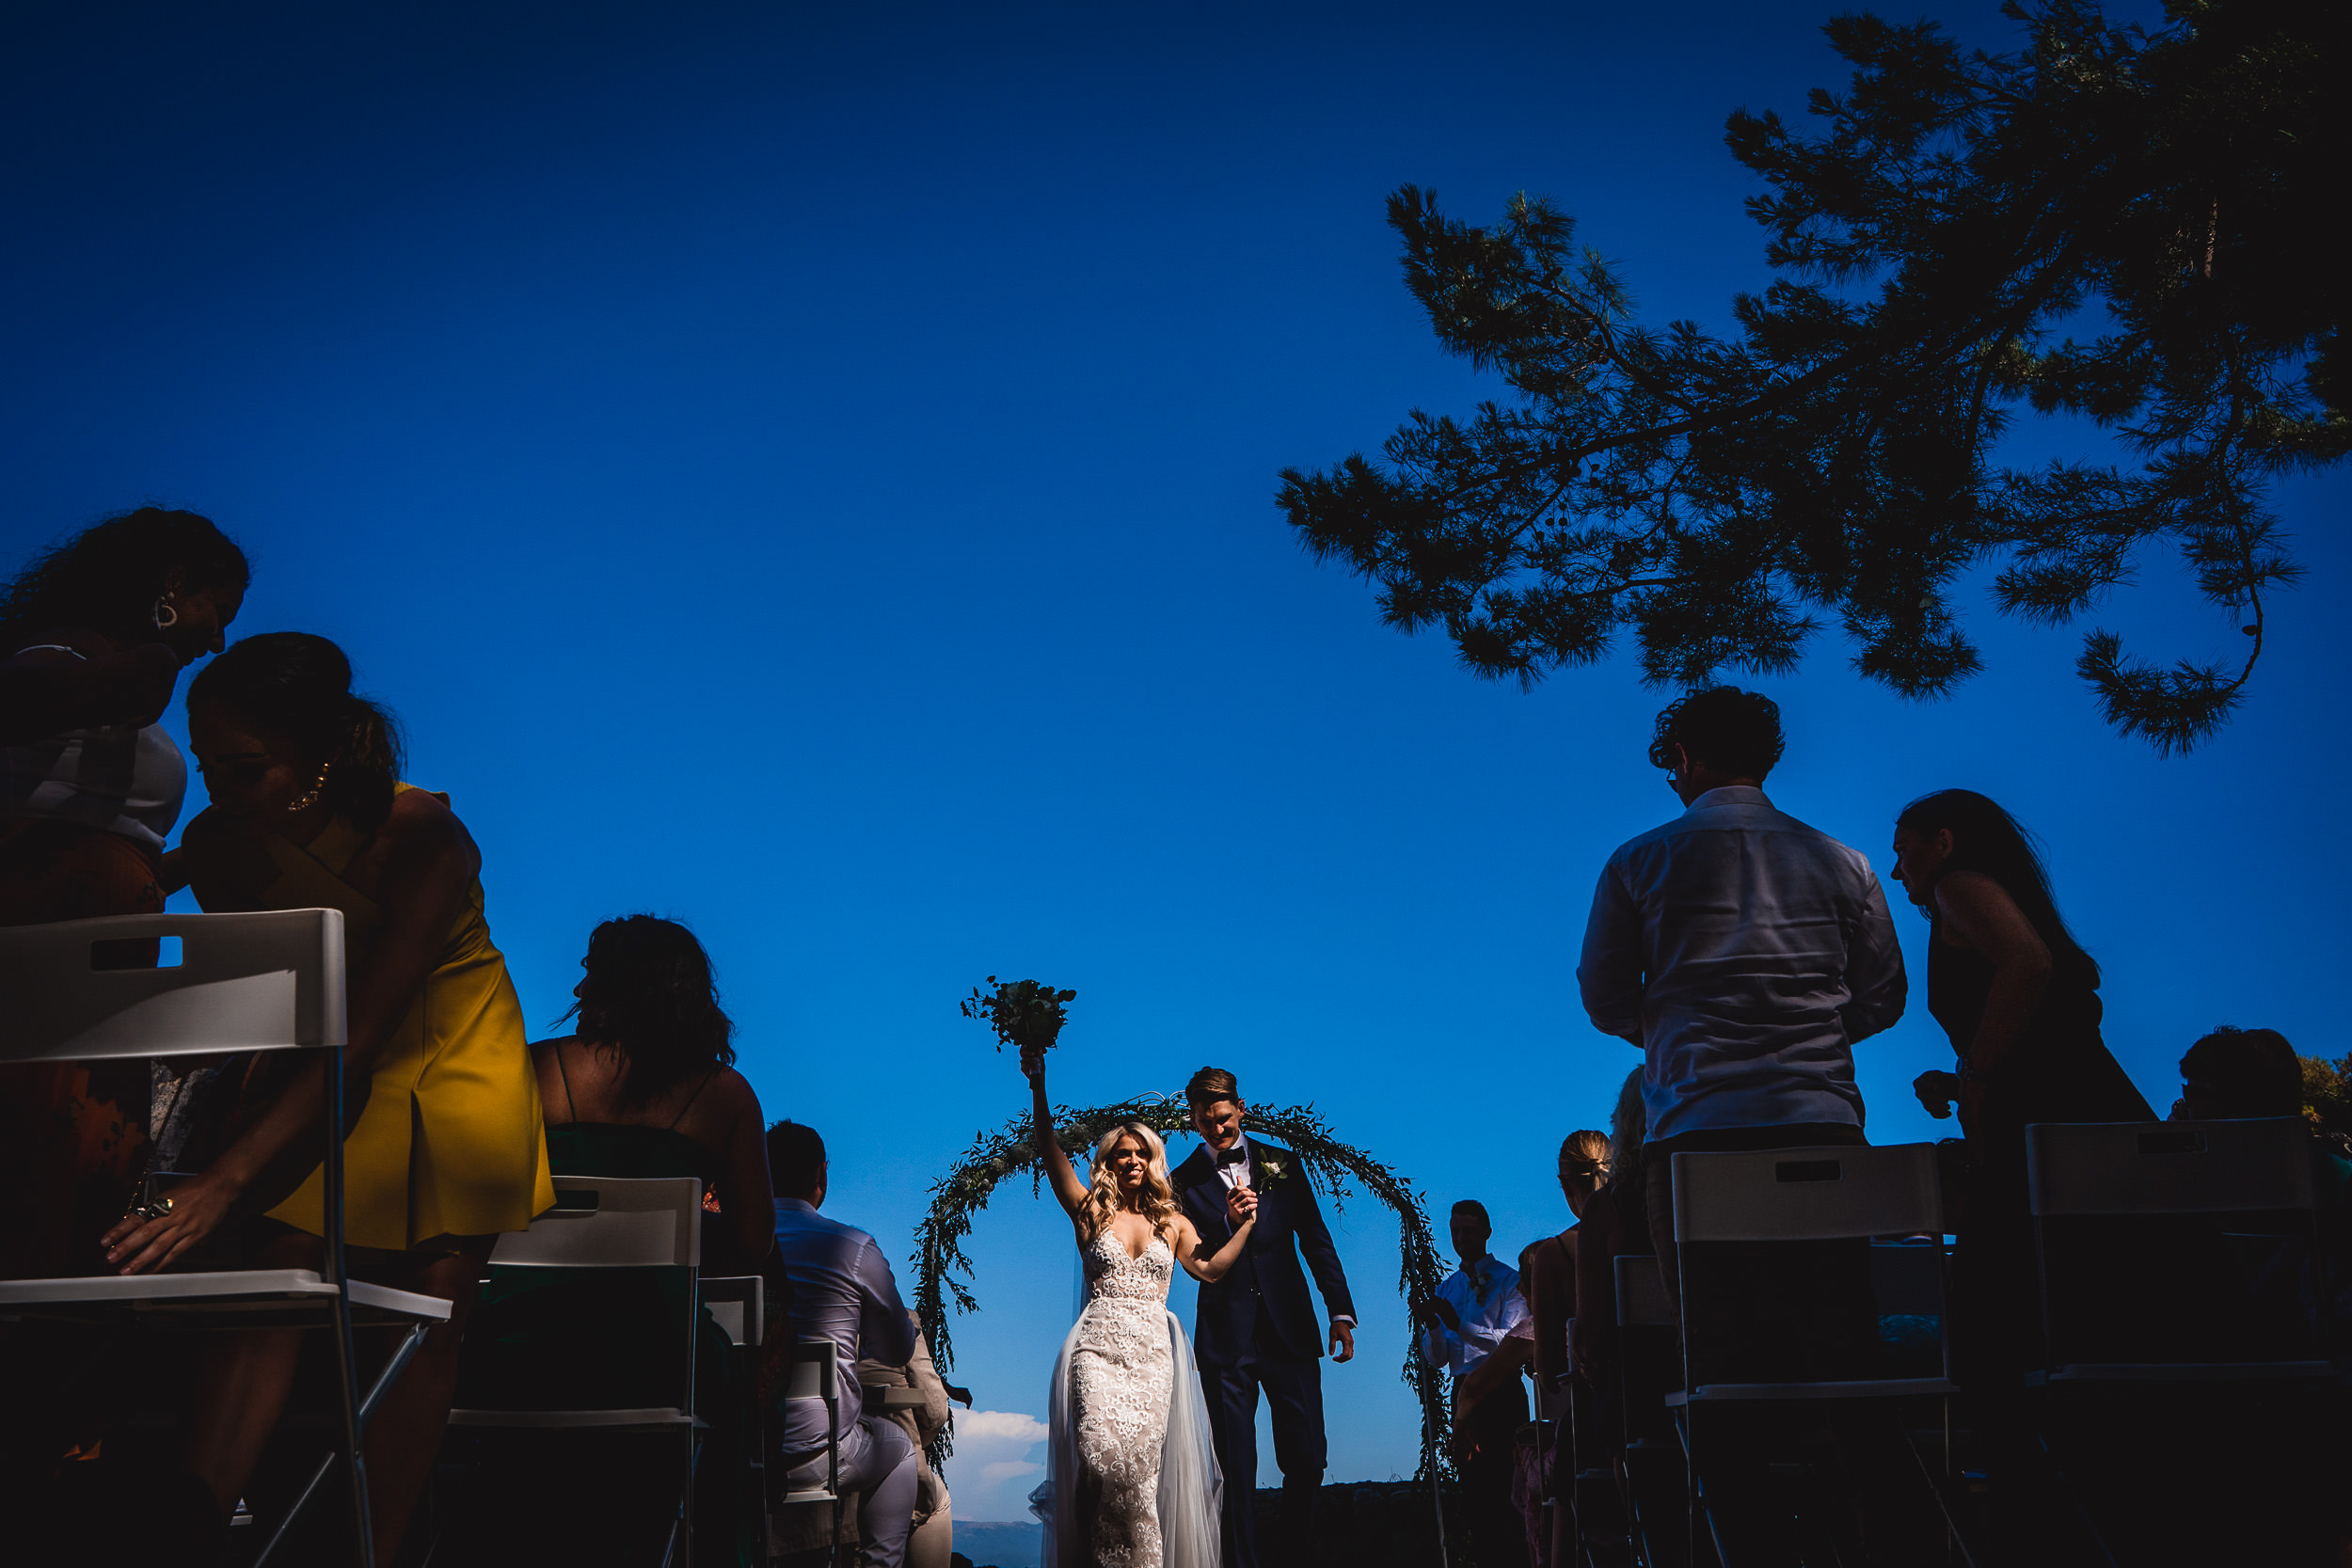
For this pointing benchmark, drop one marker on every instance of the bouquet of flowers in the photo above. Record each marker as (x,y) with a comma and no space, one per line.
(1027,1015)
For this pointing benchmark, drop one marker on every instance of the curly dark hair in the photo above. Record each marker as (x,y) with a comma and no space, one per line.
(2246,1072)
(1720,727)
(648,996)
(108,577)
(299,686)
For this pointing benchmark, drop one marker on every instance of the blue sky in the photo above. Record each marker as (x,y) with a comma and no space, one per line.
(809,473)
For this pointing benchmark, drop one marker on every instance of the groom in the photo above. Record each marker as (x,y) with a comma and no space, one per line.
(1256,1327)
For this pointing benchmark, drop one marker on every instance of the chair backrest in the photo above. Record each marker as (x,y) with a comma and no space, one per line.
(270,980)
(1807,1195)
(1642,1296)
(1908,1279)
(737,1303)
(816,1370)
(2180,1167)
(612,1222)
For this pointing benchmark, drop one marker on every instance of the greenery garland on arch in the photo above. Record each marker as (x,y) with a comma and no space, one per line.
(941,1267)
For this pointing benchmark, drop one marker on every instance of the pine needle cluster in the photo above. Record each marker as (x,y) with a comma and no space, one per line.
(1941,239)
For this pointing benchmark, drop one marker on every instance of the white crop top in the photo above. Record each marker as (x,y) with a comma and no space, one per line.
(123,778)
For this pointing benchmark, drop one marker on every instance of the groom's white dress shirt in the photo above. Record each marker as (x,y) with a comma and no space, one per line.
(1233,1171)
(1485,1295)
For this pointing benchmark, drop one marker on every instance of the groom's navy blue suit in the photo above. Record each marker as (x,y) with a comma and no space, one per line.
(1257,1329)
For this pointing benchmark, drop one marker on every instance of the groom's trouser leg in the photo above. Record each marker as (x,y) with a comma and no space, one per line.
(1231,1393)
(1294,1393)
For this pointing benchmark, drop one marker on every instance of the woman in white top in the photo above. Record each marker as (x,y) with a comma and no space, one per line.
(93,637)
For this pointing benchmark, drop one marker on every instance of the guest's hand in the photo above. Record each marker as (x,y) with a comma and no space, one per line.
(196,1208)
(1936,1091)
(1343,1340)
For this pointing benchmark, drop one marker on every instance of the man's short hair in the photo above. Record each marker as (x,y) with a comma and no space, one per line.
(1471,1206)
(2245,1073)
(1722,728)
(796,1158)
(1209,1085)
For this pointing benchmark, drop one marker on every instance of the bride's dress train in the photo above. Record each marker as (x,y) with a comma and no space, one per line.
(1132,1479)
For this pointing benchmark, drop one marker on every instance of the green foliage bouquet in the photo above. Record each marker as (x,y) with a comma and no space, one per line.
(1025,1014)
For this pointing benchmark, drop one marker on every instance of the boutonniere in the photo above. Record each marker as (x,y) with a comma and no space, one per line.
(1273,1167)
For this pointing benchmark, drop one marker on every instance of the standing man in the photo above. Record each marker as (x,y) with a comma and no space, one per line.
(1745,953)
(1474,1312)
(1256,1328)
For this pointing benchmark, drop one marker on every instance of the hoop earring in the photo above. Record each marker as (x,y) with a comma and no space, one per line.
(166,616)
(305,801)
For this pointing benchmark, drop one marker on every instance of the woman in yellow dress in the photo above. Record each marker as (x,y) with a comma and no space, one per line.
(447,1148)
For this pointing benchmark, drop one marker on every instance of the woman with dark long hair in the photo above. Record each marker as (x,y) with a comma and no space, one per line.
(649,1085)
(445,1150)
(93,637)
(2020,999)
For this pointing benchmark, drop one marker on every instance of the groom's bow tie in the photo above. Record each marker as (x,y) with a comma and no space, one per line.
(1233,1156)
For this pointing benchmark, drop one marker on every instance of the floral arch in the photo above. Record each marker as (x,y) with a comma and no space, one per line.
(942,1270)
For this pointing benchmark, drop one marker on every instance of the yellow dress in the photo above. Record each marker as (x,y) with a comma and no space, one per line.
(451,1141)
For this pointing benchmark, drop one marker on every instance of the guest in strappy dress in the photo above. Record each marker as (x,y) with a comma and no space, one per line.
(93,636)
(446,1148)
(2020,999)
(648,1086)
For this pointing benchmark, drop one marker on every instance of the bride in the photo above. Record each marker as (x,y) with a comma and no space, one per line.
(1132,1480)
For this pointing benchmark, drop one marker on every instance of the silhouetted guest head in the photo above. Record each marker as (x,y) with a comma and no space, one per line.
(1628,1124)
(1583,1167)
(647,997)
(2236,1073)
(1717,737)
(1471,1229)
(278,730)
(1958,830)
(796,1162)
(149,575)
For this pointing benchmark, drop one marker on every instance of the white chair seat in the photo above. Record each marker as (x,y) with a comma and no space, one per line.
(2185,1371)
(650,1419)
(1861,1389)
(244,1294)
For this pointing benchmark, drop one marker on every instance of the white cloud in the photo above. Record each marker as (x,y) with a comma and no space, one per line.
(1007,1469)
(1011,1426)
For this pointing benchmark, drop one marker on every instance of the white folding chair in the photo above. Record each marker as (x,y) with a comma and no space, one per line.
(271,980)
(603,1221)
(739,1305)
(816,1375)
(2093,1170)
(1842,1193)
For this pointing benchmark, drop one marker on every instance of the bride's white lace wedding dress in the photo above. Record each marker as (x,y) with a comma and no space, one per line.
(1132,1479)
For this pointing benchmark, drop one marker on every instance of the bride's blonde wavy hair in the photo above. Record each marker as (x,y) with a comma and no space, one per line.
(1102,1199)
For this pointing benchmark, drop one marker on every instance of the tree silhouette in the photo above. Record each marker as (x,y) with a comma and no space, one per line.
(1956,218)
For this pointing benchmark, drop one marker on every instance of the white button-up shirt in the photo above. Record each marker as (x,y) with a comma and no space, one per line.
(1744,953)
(1484,1294)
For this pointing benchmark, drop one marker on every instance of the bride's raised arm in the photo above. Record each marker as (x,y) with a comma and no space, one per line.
(1192,1249)
(1067,1186)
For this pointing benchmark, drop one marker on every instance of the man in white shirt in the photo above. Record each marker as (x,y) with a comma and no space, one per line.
(1744,952)
(842,1291)
(1475,1310)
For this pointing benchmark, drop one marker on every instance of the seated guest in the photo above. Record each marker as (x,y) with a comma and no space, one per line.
(1474,1311)
(1548,1281)
(649,1085)
(1615,1224)
(932,1544)
(842,1291)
